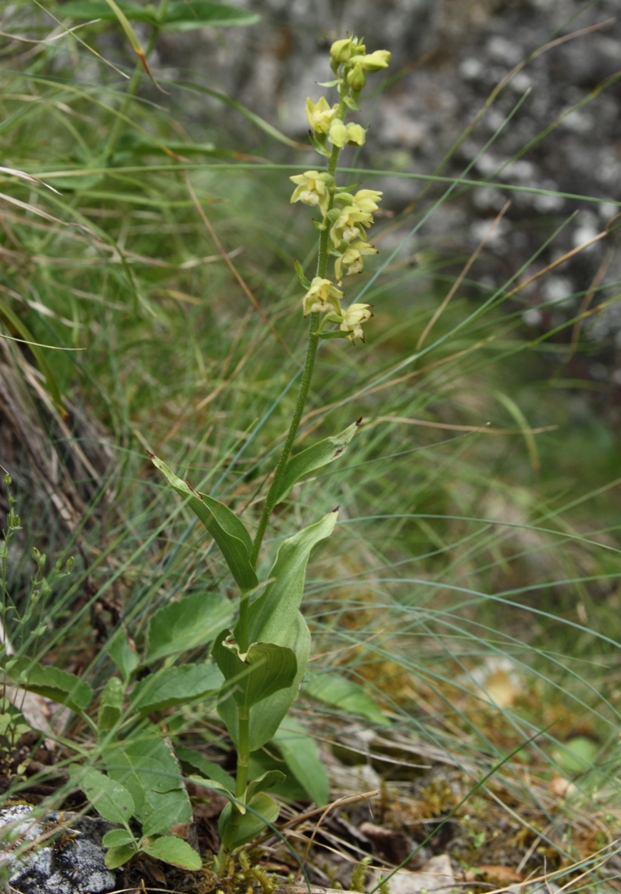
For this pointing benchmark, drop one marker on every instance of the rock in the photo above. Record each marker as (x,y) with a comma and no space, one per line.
(69,860)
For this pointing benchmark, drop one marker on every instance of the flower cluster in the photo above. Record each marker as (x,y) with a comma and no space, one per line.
(346,216)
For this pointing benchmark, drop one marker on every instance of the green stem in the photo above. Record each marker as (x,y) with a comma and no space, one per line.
(307,374)
(243,752)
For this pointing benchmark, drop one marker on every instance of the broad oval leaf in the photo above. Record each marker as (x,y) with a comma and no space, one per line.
(186,624)
(265,718)
(109,798)
(118,838)
(272,616)
(148,768)
(314,458)
(175,686)
(262,809)
(118,856)
(51,682)
(262,670)
(224,526)
(175,851)
(301,756)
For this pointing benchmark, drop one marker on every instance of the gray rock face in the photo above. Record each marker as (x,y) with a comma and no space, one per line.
(70,863)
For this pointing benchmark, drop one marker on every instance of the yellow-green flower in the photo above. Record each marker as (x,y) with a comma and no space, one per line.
(312,189)
(349,225)
(373,61)
(367,200)
(340,134)
(323,296)
(353,318)
(351,259)
(320,115)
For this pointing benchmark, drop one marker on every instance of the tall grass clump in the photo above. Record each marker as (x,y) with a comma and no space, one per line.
(463,611)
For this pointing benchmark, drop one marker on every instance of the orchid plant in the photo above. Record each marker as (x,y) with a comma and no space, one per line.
(260,660)
(263,657)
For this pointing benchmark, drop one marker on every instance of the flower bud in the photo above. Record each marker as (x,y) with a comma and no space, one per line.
(338,133)
(343,50)
(356,78)
(374,61)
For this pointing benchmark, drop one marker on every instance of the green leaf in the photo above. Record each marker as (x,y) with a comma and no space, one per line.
(175,851)
(117,838)
(125,658)
(186,624)
(117,856)
(315,457)
(341,692)
(272,616)
(148,769)
(109,798)
(263,783)
(51,682)
(175,686)
(186,15)
(262,670)
(165,810)
(212,771)
(265,718)
(262,809)
(304,280)
(111,704)
(299,751)
(180,16)
(223,525)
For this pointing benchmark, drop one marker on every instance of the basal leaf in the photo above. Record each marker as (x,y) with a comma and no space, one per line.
(118,856)
(186,624)
(314,458)
(341,692)
(272,616)
(175,686)
(262,670)
(147,767)
(51,682)
(262,809)
(165,810)
(117,838)
(175,851)
(109,798)
(299,751)
(224,526)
